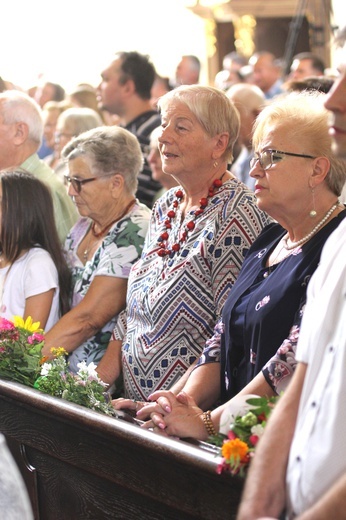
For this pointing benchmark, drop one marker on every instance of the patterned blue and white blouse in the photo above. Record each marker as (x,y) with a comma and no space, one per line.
(174,303)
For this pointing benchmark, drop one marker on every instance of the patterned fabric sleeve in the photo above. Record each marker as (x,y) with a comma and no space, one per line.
(211,351)
(279,370)
(240,224)
(119,331)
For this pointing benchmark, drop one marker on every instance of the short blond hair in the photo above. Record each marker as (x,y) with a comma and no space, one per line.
(213,109)
(303,114)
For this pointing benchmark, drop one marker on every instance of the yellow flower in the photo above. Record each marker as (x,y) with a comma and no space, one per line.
(235,449)
(57,352)
(28,324)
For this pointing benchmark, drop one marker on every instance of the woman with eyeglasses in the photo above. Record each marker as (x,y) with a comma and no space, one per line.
(104,164)
(298,182)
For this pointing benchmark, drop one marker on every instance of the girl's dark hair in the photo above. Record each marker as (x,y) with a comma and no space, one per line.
(27,221)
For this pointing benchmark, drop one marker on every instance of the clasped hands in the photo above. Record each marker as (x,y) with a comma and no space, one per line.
(167,414)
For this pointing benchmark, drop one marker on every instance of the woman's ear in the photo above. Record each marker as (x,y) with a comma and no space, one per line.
(117,185)
(221,144)
(321,167)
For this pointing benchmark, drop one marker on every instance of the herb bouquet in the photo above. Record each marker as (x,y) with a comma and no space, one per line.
(241,434)
(84,388)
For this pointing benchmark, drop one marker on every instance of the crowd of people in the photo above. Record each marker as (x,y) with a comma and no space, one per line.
(188,240)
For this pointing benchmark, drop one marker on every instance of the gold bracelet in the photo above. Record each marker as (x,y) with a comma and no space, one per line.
(208,423)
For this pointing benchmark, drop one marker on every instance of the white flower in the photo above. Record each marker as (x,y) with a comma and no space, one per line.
(87,371)
(257,430)
(46,367)
(92,370)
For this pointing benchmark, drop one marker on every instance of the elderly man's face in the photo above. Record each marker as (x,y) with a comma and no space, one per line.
(336,103)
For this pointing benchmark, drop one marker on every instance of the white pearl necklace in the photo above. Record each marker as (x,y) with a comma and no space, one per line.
(312,233)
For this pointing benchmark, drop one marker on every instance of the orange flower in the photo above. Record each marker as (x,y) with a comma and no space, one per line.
(235,449)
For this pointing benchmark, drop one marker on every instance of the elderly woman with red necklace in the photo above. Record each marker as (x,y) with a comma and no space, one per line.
(199,234)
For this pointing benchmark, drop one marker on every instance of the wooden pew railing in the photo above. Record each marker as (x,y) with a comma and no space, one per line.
(79,464)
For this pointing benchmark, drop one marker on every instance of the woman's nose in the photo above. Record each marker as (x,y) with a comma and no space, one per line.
(256,169)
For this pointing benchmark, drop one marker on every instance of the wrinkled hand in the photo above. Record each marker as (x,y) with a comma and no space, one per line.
(127,404)
(177,416)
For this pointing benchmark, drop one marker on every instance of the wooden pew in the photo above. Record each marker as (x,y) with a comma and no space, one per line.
(80,465)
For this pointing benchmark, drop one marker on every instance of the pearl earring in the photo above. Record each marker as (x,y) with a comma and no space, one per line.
(313,212)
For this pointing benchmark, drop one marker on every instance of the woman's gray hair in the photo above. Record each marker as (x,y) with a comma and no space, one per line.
(110,149)
(303,114)
(18,107)
(79,119)
(212,108)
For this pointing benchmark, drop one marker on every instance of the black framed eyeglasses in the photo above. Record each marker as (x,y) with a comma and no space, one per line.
(78,183)
(267,158)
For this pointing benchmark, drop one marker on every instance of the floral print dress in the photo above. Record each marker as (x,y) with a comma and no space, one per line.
(121,247)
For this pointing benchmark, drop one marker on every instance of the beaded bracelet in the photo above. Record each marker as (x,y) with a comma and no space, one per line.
(208,423)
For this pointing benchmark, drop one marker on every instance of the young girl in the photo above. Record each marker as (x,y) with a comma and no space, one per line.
(34,277)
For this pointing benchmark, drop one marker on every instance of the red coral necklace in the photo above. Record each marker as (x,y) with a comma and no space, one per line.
(165,250)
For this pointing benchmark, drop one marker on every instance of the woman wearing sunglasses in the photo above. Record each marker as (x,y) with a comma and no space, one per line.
(297,182)
(108,238)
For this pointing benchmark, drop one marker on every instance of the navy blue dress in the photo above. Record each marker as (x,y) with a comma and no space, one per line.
(264,304)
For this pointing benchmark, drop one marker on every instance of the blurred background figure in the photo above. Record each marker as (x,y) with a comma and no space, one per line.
(84,95)
(43,93)
(14,499)
(266,73)
(306,64)
(188,70)
(155,163)
(50,113)
(249,100)
(160,87)
(71,122)
(230,74)
(125,90)
(48,91)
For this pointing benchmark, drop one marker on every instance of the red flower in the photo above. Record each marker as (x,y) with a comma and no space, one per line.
(254,439)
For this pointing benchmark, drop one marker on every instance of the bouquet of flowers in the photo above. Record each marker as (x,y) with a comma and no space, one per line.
(244,431)
(21,360)
(84,388)
(21,343)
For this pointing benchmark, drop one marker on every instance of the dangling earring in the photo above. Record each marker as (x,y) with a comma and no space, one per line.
(313,212)
(215,164)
